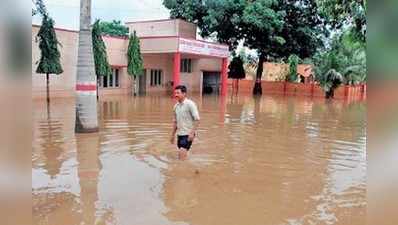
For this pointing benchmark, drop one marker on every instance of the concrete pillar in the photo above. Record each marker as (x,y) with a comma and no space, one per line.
(176,69)
(224,77)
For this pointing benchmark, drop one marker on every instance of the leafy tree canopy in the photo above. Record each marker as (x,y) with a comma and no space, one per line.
(113,28)
(350,13)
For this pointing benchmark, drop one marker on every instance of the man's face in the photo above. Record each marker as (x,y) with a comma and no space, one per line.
(179,95)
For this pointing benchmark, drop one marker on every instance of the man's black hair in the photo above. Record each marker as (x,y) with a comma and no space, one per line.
(182,88)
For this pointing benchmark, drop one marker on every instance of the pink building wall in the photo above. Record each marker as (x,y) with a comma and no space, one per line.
(116,49)
(168,27)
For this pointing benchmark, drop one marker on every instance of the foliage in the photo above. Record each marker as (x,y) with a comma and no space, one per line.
(293,63)
(102,67)
(49,62)
(213,17)
(279,28)
(40,8)
(134,59)
(349,13)
(333,80)
(114,28)
(345,61)
(236,70)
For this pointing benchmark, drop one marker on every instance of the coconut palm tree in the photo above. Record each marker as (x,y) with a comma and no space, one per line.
(86,85)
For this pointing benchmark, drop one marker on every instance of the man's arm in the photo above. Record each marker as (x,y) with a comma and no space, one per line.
(173,133)
(195,128)
(196,119)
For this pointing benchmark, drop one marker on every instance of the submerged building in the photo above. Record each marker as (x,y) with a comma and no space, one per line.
(171,52)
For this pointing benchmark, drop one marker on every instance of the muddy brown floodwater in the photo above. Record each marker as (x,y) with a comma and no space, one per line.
(272,160)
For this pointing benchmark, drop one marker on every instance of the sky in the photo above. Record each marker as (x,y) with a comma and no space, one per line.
(66,12)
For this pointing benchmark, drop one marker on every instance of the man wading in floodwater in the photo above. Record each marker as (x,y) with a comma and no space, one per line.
(186,121)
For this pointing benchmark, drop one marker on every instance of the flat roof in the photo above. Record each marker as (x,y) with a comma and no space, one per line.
(77,31)
(57,28)
(203,41)
(153,21)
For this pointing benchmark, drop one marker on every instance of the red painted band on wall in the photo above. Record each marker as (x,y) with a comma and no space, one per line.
(86,87)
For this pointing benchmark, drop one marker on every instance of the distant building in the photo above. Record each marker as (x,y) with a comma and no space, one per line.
(279,71)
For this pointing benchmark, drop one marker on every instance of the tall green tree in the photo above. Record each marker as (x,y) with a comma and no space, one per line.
(236,71)
(102,67)
(280,28)
(135,64)
(86,100)
(49,62)
(114,28)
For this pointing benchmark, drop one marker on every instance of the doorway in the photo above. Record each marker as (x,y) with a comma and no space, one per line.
(211,82)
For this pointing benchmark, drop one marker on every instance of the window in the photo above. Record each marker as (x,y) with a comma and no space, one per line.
(186,65)
(116,72)
(156,77)
(110,81)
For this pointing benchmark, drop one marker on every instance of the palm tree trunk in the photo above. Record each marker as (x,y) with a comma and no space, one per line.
(86,84)
(257,90)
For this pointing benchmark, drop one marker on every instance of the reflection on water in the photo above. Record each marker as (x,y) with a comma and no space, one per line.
(268,160)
